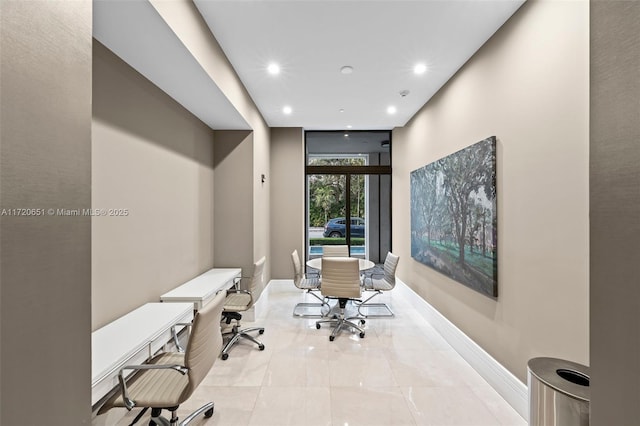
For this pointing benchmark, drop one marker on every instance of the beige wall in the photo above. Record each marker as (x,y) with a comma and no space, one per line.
(45,260)
(233,211)
(529,86)
(155,159)
(186,22)
(615,212)
(261,194)
(287,198)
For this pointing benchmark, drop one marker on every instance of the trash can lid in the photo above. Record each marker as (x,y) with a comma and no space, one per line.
(567,377)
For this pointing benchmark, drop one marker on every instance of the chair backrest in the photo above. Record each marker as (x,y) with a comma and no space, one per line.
(390,265)
(256,278)
(335,251)
(205,342)
(340,277)
(297,268)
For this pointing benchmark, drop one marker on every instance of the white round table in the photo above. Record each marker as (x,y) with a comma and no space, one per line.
(363,264)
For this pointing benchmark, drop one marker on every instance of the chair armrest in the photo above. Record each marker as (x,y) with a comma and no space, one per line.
(174,334)
(370,277)
(236,282)
(129,404)
(237,290)
(374,275)
(243,292)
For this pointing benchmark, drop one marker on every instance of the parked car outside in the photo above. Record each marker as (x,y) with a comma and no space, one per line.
(336,228)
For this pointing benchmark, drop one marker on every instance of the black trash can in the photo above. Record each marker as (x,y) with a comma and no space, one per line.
(558,392)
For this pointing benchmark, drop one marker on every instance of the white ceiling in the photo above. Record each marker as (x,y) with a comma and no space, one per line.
(311,40)
(135,32)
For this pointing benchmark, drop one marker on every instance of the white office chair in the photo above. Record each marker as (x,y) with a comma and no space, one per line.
(341,280)
(335,251)
(309,283)
(170,378)
(379,283)
(238,301)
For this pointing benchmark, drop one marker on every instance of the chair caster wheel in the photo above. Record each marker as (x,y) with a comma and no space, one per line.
(224,356)
(261,347)
(331,338)
(260,331)
(208,413)
(318,326)
(362,335)
(362,322)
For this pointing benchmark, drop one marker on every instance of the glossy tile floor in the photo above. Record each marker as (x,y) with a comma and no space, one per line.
(401,373)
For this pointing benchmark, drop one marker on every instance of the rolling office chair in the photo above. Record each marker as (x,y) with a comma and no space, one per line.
(307,283)
(335,251)
(170,378)
(379,283)
(341,280)
(238,301)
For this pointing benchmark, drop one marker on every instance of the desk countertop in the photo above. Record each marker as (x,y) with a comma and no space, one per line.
(131,338)
(203,287)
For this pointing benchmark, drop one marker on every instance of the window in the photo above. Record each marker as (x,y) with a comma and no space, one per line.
(349,172)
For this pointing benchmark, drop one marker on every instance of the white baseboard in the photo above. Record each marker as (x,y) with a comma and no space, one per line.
(261,305)
(501,379)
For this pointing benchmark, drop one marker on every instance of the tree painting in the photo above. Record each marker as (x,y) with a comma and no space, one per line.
(454,216)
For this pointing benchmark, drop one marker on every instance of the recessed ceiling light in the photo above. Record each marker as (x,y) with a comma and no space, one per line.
(420,68)
(391,110)
(341,109)
(347,69)
(349,126)
(273,68)
(287,110)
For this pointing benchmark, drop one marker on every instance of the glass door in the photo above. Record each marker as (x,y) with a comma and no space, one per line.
(329,197)
(349,192)
(358,205)
(326,207)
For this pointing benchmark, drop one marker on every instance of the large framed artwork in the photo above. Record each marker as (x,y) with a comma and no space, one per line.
(454,216)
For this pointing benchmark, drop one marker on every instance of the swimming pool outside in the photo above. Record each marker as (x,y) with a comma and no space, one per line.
(355,250)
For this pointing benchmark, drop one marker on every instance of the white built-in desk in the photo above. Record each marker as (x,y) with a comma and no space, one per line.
(202,289)
(132,339)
